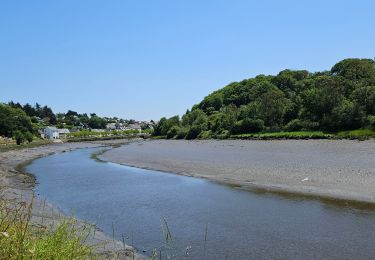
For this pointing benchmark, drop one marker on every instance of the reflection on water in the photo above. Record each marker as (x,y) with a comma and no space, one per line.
(240,224)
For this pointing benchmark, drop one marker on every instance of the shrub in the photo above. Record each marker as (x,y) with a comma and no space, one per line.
(249,126)
(294,125)
(223,135)
(193,132)
(172,132)
(205,135)
(28,136)
(182,132)
(19,137)
(371,121)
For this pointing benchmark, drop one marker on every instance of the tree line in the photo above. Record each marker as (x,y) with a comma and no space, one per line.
(342,98)
(22,122)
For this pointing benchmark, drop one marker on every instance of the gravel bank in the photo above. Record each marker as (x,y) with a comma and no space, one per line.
(343,169)
(16,185)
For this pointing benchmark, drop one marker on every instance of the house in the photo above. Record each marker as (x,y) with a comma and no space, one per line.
(52,132)
(111,126)
(135,126)
(63,133)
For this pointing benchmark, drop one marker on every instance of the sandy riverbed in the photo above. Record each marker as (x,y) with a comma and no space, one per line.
(343,169)
(16,185)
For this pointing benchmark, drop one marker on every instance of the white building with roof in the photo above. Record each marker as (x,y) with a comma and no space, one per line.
(52,132)
(63,132)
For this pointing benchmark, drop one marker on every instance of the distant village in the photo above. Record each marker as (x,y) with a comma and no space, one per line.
(41,122)
(53,132)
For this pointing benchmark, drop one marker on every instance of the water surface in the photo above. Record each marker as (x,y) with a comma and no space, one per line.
(240,224)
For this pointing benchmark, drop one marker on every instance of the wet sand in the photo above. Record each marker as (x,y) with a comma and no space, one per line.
(18,186)
(342,169)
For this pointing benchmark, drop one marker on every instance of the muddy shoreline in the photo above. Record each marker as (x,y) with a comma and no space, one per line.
(18,185)
(325,169)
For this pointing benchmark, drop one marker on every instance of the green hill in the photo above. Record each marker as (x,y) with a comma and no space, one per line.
(341,99)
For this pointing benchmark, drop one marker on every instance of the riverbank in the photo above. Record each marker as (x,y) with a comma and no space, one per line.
(338,169)
(17,185)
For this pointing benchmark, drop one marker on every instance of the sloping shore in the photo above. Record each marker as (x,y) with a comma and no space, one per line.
(14,184)
(339,169)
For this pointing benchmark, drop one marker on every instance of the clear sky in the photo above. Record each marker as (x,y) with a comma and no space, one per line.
(147,59)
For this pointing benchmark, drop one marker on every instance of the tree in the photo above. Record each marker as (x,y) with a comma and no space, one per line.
(271,107)
(96,122)
(164,125)
(71,113)
(248,125)
(357,70)
(12,120)
(29,110)
(212,102)
(365,98)
(19,137)
(46,113)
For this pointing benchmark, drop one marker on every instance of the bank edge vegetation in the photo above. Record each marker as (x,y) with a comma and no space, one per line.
(23,123)
(293,104)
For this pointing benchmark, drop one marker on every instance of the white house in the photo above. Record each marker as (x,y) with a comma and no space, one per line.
(111,126)
(63,132)
(52,132)
(135,126)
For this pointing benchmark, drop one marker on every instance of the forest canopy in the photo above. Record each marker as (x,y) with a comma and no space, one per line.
(293,100)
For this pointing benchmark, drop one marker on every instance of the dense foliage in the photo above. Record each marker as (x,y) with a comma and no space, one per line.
(44,112)
(22,122)
(15,123)
(294,100)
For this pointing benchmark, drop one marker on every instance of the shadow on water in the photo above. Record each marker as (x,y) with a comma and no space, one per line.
(332,202)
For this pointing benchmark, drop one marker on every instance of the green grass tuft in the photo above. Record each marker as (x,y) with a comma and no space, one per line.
(20,239)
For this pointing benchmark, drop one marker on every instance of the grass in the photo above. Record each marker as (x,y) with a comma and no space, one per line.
(357,134)
(20,239)
(106,134)
(286,135)
(361,134)
(14,146)
(100,138)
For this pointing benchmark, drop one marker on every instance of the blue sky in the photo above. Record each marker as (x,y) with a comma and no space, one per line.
(147,59)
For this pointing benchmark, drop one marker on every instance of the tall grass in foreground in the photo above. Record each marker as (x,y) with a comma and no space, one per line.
(169,250)
(20,239)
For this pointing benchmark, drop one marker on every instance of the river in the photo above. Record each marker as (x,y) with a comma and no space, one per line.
(205,219)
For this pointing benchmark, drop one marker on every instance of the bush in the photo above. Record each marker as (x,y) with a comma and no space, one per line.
(223,135)
(182,132)
(19,137)
(205,135)
(193,132)
(172,132)
(294,125)
(28,136)
(371,121)
(249,126)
